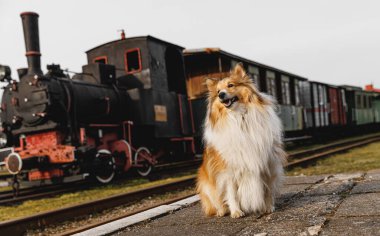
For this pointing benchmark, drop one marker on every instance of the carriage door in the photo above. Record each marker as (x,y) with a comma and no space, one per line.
(343,114)
(325,101)
(334,110)
(322,105)
(176,83)
(316,108)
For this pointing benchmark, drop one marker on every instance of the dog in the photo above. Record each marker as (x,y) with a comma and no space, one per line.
(243,159)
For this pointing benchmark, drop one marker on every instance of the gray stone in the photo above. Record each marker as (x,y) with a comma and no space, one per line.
(289,191)
(347,176)
(331,188)
(314,230)
(372,175)
(354,226)
(360,205)
(367,187)
(304,179)
(286,227)
(309,209)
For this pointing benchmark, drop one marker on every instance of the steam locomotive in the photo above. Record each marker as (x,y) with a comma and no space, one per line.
(139,101)
(100,122)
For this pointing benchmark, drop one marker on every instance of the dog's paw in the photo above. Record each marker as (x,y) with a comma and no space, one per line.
(270,209)
(237,214)
(221,212)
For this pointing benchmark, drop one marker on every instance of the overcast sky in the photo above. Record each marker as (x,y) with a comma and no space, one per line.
(333,41)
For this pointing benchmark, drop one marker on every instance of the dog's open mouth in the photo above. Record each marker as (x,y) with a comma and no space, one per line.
(228,102)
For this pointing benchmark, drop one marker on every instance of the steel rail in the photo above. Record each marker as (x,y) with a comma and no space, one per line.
(333,149)
(310,151)
(6,197)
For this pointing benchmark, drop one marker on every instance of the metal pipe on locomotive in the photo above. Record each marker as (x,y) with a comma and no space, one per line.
(55,126)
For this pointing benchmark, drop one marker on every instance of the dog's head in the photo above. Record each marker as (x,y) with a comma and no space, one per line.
(233,91)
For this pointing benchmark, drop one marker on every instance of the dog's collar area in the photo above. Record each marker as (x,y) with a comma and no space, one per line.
(228,102)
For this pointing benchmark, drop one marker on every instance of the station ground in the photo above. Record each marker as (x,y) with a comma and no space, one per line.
(340,204)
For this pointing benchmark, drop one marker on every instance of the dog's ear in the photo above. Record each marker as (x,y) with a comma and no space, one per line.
(211,83)
(239,70)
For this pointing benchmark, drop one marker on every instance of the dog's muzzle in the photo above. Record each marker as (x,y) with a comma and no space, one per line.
(227,102)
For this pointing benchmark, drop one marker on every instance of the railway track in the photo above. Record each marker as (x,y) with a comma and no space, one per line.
(19,226)
(304,157)
(8,198)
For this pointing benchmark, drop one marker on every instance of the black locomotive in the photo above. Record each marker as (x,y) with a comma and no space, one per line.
(100,122)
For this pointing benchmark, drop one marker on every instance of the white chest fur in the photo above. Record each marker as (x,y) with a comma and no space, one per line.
(245,138)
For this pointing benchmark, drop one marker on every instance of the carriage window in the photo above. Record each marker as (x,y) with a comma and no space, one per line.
(132,60)
(285,90)
(254,73)
(365,101)
(369,102)
(271,83)
(101,60)
(358,101)
(320,91)
(297,92)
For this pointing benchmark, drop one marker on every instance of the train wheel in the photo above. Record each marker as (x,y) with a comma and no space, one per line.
(105,166)
(146,167)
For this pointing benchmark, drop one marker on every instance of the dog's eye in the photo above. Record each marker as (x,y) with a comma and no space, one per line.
(230,85)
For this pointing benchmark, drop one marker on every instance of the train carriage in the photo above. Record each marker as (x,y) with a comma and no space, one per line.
(376,108)
(215,63)
(337,106)
(361,110)
(325,105)
(315,102)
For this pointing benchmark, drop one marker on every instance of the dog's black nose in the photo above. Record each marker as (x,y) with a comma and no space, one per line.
(222,95)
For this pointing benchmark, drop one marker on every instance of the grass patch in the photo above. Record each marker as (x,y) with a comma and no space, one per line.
(35,206)
(358,159)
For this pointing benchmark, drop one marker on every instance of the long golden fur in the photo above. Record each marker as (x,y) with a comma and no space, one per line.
(243,158)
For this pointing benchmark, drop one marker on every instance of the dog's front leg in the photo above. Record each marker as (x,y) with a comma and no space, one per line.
(231,197)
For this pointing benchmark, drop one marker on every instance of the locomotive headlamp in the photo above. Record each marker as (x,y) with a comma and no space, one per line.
(13,163)
(5,73)
(3,140)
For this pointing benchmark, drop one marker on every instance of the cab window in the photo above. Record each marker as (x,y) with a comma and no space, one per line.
(132,60)
(101,60)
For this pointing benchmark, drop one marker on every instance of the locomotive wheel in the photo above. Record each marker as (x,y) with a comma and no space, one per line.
(105,167)
(146,167)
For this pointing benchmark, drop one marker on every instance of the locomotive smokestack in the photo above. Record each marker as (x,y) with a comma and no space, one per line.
(32,41)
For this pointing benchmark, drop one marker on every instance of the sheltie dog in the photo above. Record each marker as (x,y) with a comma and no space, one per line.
(243,158)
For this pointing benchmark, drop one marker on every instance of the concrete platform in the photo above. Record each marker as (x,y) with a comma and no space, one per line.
(341,204)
